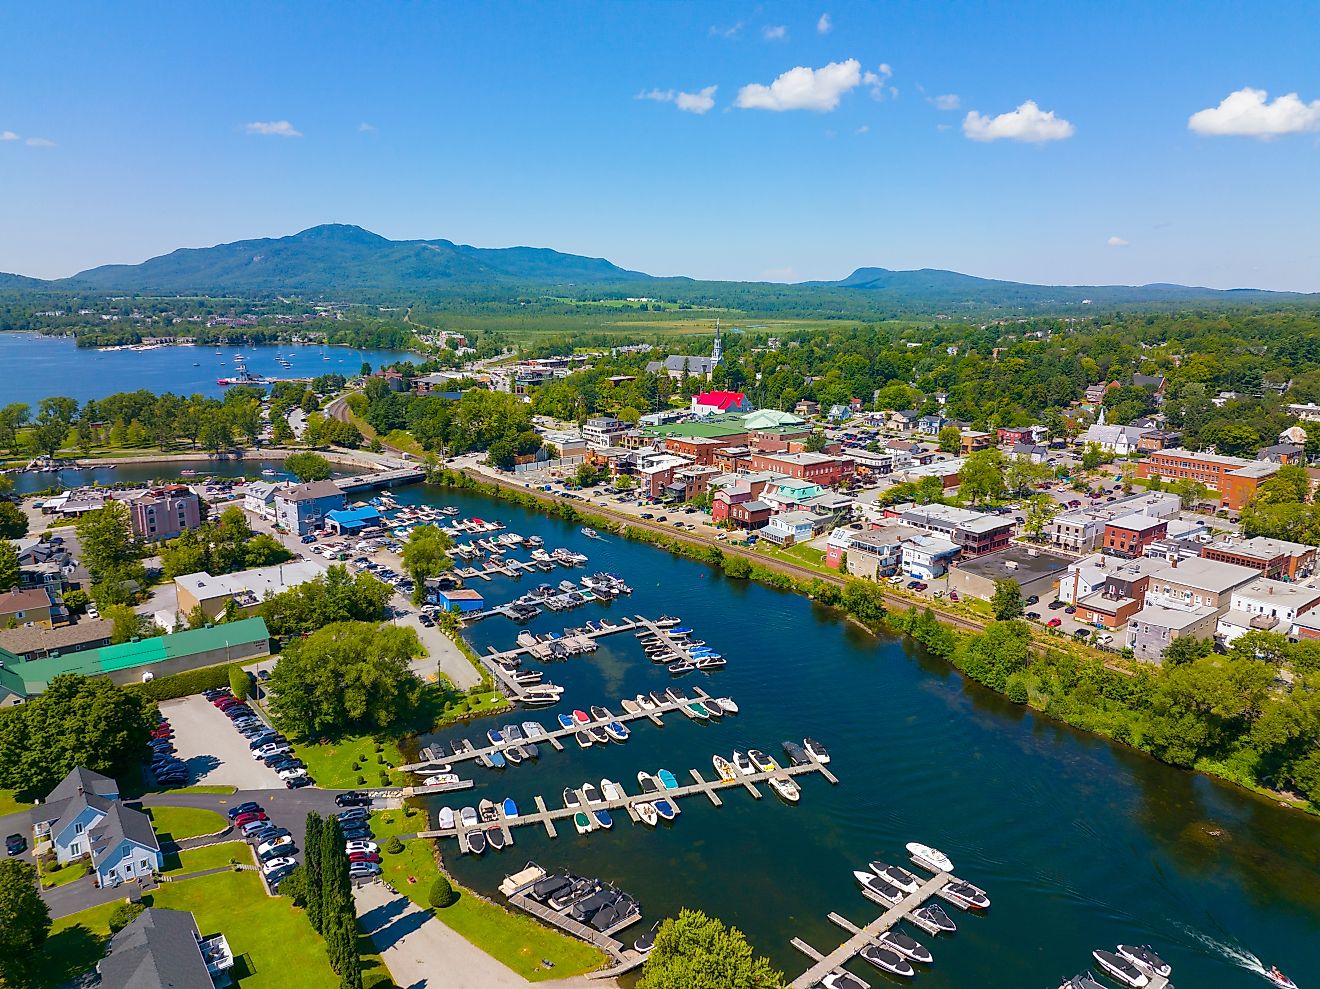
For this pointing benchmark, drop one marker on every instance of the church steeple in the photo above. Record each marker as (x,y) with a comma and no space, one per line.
(717,352)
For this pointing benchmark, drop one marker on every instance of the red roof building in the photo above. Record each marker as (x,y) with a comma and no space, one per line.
(710,403)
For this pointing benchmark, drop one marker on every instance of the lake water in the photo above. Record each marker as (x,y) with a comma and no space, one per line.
(1079,843)
(36,367)
(161,470)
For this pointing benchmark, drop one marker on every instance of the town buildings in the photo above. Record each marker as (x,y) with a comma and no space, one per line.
(601,432)
(83,816)
(1275,558)
(973,533)
(1233,479)
(1265,605)
(710,403)
(164,513)
(1036,572)
(246,589)
(303,507)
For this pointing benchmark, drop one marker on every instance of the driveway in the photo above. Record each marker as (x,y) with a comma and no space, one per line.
(422,953)
(215,753)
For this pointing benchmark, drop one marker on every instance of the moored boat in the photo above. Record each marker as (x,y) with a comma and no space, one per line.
(743,764)
(875,888)
(929,858)
(698,711)
(842,980)
(602,818)
(599,735)
(566,721)
(630,706)
(797,755)
(476,842)
(583,739)
(724,768)
(618,731)
(581,718)
(907,947)
(646,811)
(816,751)
(786,788)
(495,838)
(591,793)
(601,713)
(646,942)
(513,754)
(1120,969)
(509,809)
(887,960)
(647,782)
(667,780)
(571,798)
(729,706)
(966,895)
(581,822)
(680,668)
(445,818)
(762,762)
(611,790)
(497,760)
(1144,956)
(933,914)
(665,810)
(896,876)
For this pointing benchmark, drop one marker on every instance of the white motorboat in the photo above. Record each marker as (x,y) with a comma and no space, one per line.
(875,888)
(906,946)
(1144,957)
(724,768)
(646,811)
(929,858)
(887,960)
(786,788)
(966,895)
(843,980)
(445,818)
(611,790)
(816,751)
(1120,969)
(743,764)
(896,876)
(729,706)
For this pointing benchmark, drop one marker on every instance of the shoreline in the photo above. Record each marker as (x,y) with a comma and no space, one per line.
(674,542)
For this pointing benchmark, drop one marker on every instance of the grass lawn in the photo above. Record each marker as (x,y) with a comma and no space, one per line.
(515,940)
(76,943)
(185,822)
(207,857)
(9,804)
(331,763)
(63,875)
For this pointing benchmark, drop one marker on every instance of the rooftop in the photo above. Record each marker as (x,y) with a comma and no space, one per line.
(1206,575)
(1136,522)
(32,599)
(311,491)
(1260,547)
(1174,619)
(256,582)
(1276,593)
(158,950)
(1017,562)
(40,638)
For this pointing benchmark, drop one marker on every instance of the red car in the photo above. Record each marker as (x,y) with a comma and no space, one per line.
(1054,623)
(371,857)
(224,702)
(248,818)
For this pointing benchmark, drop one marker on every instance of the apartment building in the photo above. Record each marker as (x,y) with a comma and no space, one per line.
(1129,535)
(1234,479)
(1265,605)
(974,533)
(164,513)
(1275,558)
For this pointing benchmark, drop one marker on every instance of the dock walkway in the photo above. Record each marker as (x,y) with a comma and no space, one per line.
(493,662)
(823,964)
(547,817)
(434,761)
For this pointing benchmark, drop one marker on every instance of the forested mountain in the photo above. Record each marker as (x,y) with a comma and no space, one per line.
(338,257)
(343,261)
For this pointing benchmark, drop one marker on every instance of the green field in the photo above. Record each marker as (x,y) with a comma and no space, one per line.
(185,822)
(9,804)
(511,938)
(207,857)
(331,763)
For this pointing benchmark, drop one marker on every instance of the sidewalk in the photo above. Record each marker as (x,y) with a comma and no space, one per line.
(422,953)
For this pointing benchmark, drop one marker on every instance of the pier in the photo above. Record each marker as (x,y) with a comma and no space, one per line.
(495,661)
(861,937)
(547,817)
(434,761)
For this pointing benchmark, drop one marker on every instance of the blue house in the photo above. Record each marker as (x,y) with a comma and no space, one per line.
(83,817)
(303,507)
(459,599)
(931,423)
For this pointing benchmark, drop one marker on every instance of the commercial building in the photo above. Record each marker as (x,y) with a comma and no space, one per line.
(259,498)
(164,513)
(36,641)
(246,588)
(1036,572)
(789,528)
(928,557)
(878,553)
(751,515)
(603,431)
(303,507)
(353,521)
(460,600)
(699,449)
(1082,530)
(1106,592)
(1128,536)
(710,403)
(974,533)
(1155,627)
(1275,558)
(1234,480)
(821,468)
(1266,606)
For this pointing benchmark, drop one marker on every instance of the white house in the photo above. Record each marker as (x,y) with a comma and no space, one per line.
(1120,440)
(259,498)
(83,816)
(788,528)
(1266,606)
(928,557)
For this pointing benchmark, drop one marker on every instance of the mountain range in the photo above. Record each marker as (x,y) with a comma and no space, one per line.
(343,259)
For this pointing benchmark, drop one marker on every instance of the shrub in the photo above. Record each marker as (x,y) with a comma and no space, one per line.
(394,846)
(442,893)
(384,778)
(184,684)
(361,781)
(123,915)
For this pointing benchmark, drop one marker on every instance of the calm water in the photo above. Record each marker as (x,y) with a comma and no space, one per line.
(36,367)
(161,470)
(1079,843)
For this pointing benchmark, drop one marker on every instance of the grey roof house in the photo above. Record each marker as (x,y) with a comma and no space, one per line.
(161,949)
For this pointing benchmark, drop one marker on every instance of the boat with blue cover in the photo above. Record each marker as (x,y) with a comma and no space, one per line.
(509,808)
(667,780)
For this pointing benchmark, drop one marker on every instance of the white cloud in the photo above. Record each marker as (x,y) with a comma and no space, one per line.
(732,31)
(366,128)
(824,25)
(864,129)
(699,102)
(1116,242)
(1246,113)
(949,101)
(1027,123)
(774,32)
(8,135)
(804,88)
(875,82)
(273,128)
(39,142)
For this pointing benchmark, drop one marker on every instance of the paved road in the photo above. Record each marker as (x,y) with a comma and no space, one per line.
(422,953)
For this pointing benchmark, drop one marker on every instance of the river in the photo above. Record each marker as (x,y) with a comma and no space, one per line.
(160,470)
(37,367)
(1080,843)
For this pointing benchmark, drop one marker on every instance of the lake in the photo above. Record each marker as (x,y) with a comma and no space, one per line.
(38,367)
(160,470)
(1079,843)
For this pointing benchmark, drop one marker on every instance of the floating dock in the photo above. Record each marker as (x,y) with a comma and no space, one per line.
(547,817)
(515,691)
(433,762)
(824,964)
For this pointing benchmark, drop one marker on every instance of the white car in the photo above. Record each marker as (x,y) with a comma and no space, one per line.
(291,773)
(270,748)
(279,863)
(280,842)
(360,846)
(896,579)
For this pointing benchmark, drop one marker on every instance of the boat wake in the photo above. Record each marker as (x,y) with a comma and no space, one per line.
(1231,952)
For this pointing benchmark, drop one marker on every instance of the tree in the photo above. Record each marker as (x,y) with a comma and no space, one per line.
(123,623)
(625,482)
(815,442)
(694,951)
(863,601)
(240,684)
(424,555)
(982,476)
(24,921)
(10,571)
(1007,600)
(349,675)
(312,867)
(950,439)
(1093,456)
(125,914)
(13,523)
(442,893)
(106,537)
(280,431)
(1190,492)
(78,721)
(1186,649)
(1041,510)
(335,597)
(308,466)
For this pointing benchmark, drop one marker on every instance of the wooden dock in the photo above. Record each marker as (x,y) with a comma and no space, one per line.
(434,761)
(861,937)
(547,817)
(494,662)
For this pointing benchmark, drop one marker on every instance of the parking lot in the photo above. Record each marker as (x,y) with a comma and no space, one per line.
(216,754)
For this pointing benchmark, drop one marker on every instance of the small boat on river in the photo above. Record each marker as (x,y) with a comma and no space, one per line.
(929,858)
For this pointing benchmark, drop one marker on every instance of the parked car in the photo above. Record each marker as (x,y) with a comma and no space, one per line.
(364,857)
(290,772)
(1033,616)
(360,846)
(1054,622)
(275,875)
(298,782)
(363,870)
(247,807)
(243,820)
(309,538)
(275,864)
(353,798)
(357,833)
(353,814)
(270,748)
(274,845)
(15,844)
(1056,605)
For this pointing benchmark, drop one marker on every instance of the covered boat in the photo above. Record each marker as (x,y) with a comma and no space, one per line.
(887,960)
(907,947)
(509,809)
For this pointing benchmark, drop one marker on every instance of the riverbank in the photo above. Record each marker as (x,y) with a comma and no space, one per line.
(1062,679)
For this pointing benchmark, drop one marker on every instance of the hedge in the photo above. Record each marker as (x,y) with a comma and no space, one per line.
(186,683)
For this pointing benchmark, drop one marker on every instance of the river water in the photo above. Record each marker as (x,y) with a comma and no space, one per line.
(36,367)
(1079,843)
(161,470)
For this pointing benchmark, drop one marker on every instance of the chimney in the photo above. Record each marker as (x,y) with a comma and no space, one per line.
(1173,561)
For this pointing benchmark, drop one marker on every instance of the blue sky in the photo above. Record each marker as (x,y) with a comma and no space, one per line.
(1037,142)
